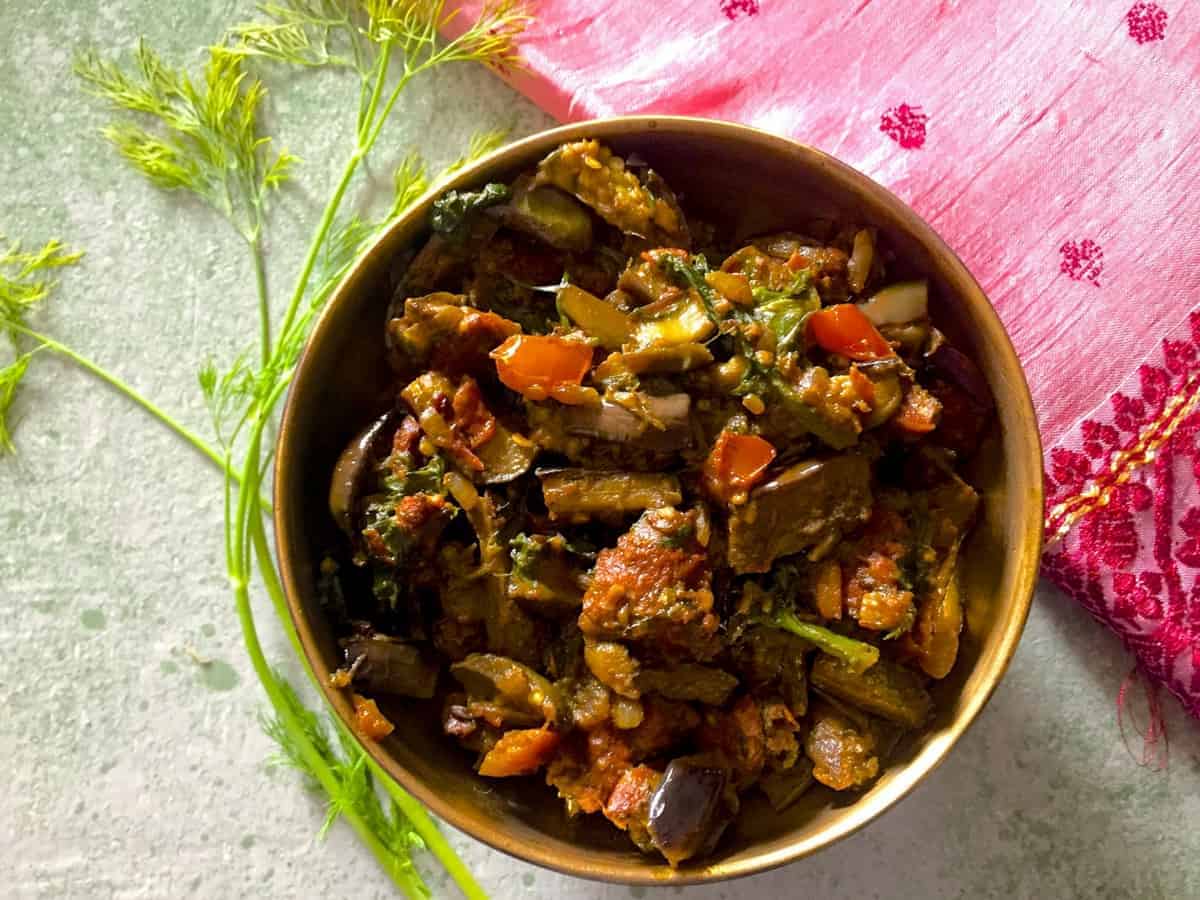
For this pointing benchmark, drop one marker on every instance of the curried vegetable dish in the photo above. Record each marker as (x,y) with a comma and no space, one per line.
(656,514)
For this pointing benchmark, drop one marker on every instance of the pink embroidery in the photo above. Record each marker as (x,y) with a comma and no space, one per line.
(905,125)
(1082,261)
(1147,22)
(733,9)
(1134,563)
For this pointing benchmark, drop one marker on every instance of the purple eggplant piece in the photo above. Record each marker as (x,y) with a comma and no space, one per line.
(690,809)
(385,666)
(957,368)
(351,469)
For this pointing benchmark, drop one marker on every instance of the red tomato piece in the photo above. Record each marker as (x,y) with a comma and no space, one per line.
(539,366)
(844,329)
(737,463)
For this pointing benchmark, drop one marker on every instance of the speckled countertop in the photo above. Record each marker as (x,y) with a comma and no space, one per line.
(134,772)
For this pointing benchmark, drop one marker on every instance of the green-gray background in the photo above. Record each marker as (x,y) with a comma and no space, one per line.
(134,771)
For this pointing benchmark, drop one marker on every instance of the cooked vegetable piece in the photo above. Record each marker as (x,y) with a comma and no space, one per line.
(452,210)
(886,689)
(919,412)
(828,593)
(665,725)
(877,581)
(520,752)
(685,321)
(544,578)
(645,283)
(933,639)
(507,456)
(351,472)
(452,416)
(519,695)
(628,806)
(690,809)
(844,329)
(626,712)
(769,656)
(661,360)
(587,769)
(808,401)
(587,493)
(689,681)
(858,268)
(541,366)
(663,424)
(896,304)
(384,665)
(735,736)
(590,703)
(887,395)
(591,172)
(655,586)
(598,318)
(510,630)
(785,788)
(736,463)
(369,721)
(733,286)
(843,756)
(613,666)
(857,656)
(808,506)
(440,331)
(549,215)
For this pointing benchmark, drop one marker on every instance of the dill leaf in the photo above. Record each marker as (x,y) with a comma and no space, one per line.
(10,380)
(202,137)
(482,143)
(309,33)
(25,283)
(355,788)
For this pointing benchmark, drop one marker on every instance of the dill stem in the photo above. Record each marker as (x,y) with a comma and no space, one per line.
(314,248)
(246,519)
(367,118)
(198,443)
(434,840)
(264,302)
(365,140)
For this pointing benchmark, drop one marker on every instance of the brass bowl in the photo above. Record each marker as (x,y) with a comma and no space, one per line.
(756,181)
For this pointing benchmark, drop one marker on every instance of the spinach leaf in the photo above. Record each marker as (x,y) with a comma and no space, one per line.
(452,209)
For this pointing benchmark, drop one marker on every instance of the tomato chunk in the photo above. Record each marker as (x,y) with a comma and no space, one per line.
(519,753)
(369,721)
(844,329)
(737,463)
(539,366)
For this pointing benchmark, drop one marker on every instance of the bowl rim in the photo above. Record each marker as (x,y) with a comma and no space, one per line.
(937,748)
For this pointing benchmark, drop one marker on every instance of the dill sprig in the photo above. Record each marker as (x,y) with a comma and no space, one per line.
(204,137)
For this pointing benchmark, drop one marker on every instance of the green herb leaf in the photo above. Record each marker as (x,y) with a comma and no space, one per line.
(200,138)
(25,283)
(450,211)
(10,380)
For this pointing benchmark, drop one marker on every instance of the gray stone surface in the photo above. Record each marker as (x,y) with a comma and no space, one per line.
(134,772)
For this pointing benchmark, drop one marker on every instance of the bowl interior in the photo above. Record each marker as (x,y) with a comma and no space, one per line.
(751,182)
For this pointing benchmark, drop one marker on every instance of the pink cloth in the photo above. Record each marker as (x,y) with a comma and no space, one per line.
(1056,147)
